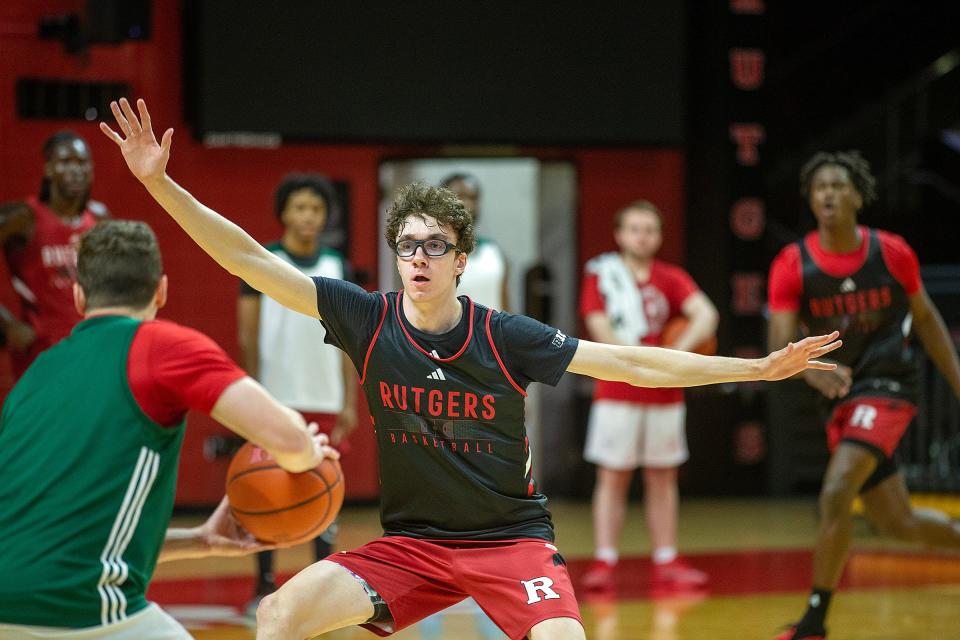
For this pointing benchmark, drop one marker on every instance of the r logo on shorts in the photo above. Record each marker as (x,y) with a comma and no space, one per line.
(877,422)
(541,584)
(518,583)
(863,416)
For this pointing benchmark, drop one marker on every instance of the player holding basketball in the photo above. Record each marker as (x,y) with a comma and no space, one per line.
(866,284)
(89,442)
(39,236)
(445,382)
(628,298)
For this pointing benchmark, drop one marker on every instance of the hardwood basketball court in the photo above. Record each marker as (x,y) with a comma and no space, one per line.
(756,551)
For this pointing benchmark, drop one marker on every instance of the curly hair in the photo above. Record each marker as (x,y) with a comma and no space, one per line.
(856,165)
(443,205)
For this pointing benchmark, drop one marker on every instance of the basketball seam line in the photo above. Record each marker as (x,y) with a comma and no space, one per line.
(240,474)
(291,506)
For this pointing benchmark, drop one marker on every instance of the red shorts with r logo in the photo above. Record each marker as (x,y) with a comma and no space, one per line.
(876,421)
(518,583)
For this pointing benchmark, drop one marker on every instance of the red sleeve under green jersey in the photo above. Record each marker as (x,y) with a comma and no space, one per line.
(173,369)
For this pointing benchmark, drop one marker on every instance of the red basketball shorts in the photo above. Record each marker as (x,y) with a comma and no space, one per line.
(517,583)
(875,421)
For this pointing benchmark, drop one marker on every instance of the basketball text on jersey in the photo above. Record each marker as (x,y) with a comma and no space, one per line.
(447,420)
(59,255)
(436,403)
(851,303)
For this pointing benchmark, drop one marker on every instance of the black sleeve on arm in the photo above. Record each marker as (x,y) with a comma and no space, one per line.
(350,315)
(532,351)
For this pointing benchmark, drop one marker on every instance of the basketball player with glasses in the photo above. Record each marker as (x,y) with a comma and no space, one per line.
(445,381)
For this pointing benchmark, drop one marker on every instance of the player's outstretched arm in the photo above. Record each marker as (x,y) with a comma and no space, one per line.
(225,242)
(656,367)
(246,408)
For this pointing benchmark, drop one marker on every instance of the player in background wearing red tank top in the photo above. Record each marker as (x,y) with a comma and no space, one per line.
(39,237)
(866,284)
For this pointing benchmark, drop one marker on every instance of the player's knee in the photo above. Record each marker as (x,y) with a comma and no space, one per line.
(557,629)
(614,481)
(836,497)
(272,620)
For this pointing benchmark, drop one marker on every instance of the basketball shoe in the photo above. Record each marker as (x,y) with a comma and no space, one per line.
(677,574)
(600,576)
(791,634)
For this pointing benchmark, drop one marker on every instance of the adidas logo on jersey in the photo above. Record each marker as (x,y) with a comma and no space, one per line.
(848,285)
(437,375)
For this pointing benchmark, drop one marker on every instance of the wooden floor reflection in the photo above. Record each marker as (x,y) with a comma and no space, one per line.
(756,551)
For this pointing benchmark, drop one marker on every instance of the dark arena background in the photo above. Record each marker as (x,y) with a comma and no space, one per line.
(565,113)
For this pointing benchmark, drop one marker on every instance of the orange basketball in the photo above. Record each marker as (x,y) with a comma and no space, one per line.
(677,325)
(278,506)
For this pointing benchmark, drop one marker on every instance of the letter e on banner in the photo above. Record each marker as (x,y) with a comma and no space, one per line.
(747,136)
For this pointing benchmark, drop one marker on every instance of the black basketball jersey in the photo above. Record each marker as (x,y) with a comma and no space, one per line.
(871,310)
(455,461)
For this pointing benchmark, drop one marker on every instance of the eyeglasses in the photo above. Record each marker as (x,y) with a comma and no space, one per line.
(433,247)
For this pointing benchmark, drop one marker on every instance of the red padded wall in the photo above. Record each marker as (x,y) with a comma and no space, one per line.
(239,183)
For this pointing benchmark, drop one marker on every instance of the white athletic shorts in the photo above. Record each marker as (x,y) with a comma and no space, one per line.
(627,435)
(153,623)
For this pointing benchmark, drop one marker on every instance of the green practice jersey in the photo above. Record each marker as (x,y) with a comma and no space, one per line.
(87,483)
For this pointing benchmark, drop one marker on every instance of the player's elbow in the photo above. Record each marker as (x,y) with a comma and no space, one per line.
(641,376)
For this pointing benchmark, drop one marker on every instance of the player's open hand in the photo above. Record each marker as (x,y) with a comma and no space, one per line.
(800,356)
(832,384)
(223,536)
(146,159)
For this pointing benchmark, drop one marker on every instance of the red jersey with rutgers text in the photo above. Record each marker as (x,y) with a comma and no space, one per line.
(448,410)
(45,269)
(864,295)
(663,296)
